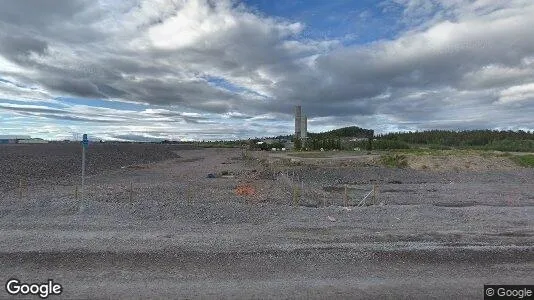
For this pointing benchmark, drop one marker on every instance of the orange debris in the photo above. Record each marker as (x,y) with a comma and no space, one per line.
(245,190)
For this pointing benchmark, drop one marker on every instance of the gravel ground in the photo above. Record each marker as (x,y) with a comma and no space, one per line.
(36,164)
(164,230)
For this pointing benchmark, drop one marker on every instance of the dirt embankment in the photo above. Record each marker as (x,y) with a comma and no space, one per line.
(461,162)
(470,161)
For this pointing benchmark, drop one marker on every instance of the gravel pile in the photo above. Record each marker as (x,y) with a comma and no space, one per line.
(37,163)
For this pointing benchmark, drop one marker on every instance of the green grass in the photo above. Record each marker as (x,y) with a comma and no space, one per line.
(450,152)
(524,160)
(330,153)
(311,154)
(394,161)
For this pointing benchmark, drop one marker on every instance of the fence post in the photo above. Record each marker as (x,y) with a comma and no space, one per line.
(374,194)
(345,198)
(296,195)
(188,193)
(377,191)
(131,191)
(20,188)
(301,190)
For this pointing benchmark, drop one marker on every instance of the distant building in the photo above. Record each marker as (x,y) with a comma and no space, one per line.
(301,125)
(358,139)
(12,139)
(298,121)
(7,141)
(32,141)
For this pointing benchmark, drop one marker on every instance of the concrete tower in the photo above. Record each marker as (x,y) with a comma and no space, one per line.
(304,128)
(298,121)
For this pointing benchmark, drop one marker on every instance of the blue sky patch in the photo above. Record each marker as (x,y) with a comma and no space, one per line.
(352,22)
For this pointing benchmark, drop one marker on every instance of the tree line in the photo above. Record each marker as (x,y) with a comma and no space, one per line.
(475,139)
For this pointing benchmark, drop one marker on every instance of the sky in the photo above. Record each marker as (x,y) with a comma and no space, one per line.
(209,70)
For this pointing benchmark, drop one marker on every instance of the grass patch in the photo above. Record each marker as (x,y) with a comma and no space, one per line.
(450,152)
(524,160)
(311,154)
(394,161)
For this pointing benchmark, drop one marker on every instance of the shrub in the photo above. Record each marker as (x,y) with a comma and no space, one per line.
(524,160)
(511,145)
(394,161)
(389,145)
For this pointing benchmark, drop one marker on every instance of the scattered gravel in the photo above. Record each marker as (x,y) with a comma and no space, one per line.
(35,163)
(165,226)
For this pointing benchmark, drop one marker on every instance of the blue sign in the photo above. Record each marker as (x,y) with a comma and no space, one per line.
(85,141)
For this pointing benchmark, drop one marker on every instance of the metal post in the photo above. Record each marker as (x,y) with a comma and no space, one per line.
(83,173)
(85,143)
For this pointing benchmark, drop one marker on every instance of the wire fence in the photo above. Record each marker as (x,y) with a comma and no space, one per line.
(262,180)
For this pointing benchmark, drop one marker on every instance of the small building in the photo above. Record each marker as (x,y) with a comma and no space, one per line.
(32,141)
(359,139)
(12,139)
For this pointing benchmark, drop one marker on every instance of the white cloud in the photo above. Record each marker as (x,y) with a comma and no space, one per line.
(517,93)
(456,61)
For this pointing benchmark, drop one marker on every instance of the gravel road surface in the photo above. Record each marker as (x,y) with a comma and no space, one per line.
(163,230)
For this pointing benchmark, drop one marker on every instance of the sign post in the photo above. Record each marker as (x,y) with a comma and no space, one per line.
(85,143)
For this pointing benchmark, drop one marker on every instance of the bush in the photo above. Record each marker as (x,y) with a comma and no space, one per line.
(390,145)
(511,145)
(439,147)
(394,161)
(524,160)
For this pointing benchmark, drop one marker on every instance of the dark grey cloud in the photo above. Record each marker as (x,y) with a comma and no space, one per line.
(65,116)
(78,118)
(38,14)
(14,46)
(80,88)
(458,61)
(54,18)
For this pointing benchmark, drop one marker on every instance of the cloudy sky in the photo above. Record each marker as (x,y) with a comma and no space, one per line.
(198,69)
